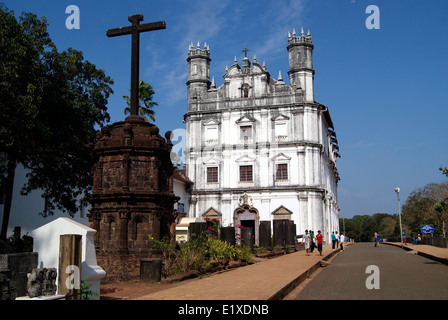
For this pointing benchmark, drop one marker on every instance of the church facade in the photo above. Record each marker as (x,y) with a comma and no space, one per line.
(257,140)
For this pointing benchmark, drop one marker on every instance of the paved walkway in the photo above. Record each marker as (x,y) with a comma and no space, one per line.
(268,280)
(430,252)
(271,279)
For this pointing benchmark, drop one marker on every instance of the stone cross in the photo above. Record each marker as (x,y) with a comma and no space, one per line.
(245,52)
(135,30)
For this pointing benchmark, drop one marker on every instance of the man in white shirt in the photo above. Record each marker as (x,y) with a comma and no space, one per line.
(342,240)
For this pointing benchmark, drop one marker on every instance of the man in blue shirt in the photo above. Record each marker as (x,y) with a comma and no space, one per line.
(333,240)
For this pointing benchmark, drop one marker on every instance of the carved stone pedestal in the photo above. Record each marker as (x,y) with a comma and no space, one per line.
(132,200)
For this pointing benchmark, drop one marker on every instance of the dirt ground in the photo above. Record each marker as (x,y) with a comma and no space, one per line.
(130,290)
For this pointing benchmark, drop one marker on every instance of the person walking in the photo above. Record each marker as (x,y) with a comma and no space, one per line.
(376,238)
(319,240)
(342,242)
(404,238)
(337,239)
(333,240)
(311,241)
(306,239)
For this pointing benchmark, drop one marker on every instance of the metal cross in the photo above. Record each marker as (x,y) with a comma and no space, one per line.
(135,30)
(245,52)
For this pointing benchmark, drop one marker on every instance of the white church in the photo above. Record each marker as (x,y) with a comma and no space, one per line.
(257,148)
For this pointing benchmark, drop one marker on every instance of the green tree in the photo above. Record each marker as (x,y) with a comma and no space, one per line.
(50,105)
(145,95)
(420,207)
(388,227)
(367,225)
(441,207)
(353,229)
(362,227)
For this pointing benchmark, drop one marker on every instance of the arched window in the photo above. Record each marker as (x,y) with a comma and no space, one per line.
(245,91)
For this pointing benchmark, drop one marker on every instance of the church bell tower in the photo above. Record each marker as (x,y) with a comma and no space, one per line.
(198,71)
(301,72)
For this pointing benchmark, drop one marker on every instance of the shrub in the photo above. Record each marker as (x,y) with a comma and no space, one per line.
(198,253)
(217,249)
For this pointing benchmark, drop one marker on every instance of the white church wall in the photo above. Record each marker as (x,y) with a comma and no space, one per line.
(287,127)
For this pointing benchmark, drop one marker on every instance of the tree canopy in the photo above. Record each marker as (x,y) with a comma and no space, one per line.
(421,207)
(426,205)
(362,227)
(51,104)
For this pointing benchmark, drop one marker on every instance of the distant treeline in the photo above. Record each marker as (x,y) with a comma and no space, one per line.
(421,207)
(362,228)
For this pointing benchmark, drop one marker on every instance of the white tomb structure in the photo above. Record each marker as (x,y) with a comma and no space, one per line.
(46,244)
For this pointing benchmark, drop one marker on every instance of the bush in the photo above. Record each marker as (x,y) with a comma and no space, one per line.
(217,249)
(198,253)
(189,257)
(243,253)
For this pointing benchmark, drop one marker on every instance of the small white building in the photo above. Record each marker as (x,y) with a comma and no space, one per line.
(46,244)
(182,188)
(260,137)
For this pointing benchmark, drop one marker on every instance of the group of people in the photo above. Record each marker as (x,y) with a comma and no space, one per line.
(337,240)
(311,241)
(415,240)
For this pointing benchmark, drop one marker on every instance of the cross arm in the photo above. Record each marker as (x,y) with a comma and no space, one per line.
(152,26)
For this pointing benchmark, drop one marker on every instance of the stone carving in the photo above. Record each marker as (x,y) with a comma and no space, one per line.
(42,282)
(49,283)
(7,292)
(246,200)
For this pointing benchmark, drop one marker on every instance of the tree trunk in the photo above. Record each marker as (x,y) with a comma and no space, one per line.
(9,187)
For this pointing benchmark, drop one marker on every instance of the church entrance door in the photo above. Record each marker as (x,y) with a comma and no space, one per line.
(247,216)
(248,219)
(249,224)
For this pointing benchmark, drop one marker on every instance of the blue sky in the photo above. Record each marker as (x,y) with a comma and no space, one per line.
(385,88)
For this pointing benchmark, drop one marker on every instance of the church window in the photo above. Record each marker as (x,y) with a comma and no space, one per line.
(299,58)
(245,91)
(282,171)
(212,174)
(280,129)
(246,133)
(246,174)
(212,133)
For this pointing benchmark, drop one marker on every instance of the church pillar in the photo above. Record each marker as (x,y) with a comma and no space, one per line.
(303,206)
